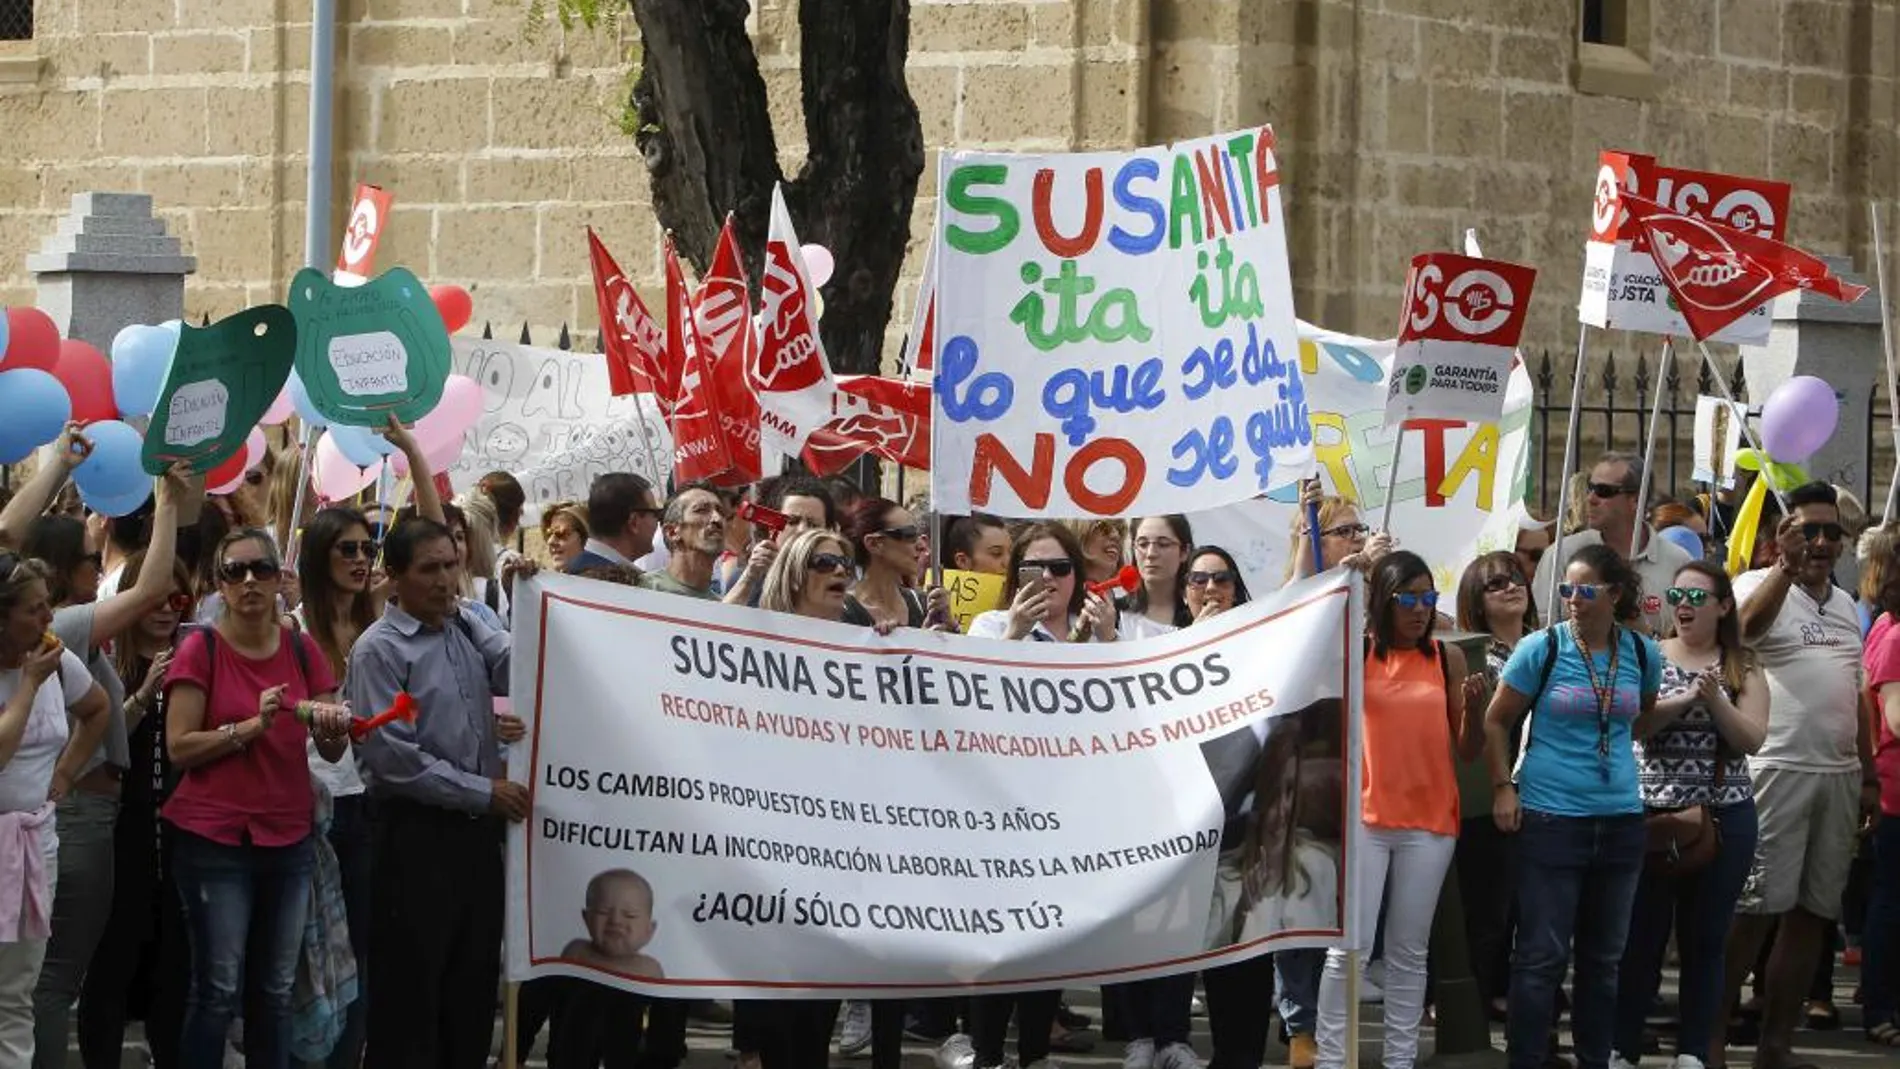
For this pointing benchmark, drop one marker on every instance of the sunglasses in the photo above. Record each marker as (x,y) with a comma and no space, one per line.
(1224,577)
(1829,532)
(903,534)
(1498,584)
(239,571)
(829,563)
(1608,490)
(1586,591)
(359,549)
(1695,596)
(1409,600)
(1347,530)
(1057,567)
(179,602)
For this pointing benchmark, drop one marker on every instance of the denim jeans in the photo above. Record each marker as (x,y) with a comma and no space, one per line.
(81,908)
(1296,976)
(349,837)
(1576,876)
(1880,936)
(1700,907)
(229,892)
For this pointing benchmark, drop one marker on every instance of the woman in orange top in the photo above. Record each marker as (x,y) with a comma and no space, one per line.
(1415,710)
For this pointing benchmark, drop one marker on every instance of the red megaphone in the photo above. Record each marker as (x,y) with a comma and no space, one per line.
(1125,581)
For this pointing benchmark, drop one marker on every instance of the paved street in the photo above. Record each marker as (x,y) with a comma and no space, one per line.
(1843,1049)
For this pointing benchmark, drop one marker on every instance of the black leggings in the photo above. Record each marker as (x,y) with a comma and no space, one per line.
(1035,1013)
(1238,999)
(1160,1009)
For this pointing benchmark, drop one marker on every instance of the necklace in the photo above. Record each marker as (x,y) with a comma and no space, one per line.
(1603,688)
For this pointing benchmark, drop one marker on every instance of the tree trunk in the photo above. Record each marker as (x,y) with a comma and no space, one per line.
(706,133)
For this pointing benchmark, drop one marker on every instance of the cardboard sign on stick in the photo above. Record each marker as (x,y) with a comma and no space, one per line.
(222,380)
(1463,317)
(368,351)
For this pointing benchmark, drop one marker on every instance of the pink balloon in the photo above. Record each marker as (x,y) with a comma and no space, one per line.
(818,264)
(335,476)
(441,432)
(280,410)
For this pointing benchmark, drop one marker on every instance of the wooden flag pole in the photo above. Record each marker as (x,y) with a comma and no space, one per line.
(1391,489)
(1572,435)
(1649,450)
(510,1023)
(646,442)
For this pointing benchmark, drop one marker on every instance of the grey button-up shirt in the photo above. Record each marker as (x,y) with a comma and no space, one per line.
(448,757)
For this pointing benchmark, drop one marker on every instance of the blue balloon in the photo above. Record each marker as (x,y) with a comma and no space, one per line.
(1690,542)
(141,358)
(34,408)
(6,331)
(361,446)
(121,505)
(114,469)
(300,400)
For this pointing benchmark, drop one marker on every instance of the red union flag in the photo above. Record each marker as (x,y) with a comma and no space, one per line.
(699,444)
(635,344)
(368,217)
(1718,275)
(789,372)
(722,322)
(889,418)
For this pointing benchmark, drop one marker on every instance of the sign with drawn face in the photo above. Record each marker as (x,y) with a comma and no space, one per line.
(222,380)
(367,352)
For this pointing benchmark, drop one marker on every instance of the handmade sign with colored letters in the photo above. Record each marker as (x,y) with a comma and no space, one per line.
(364,352)
(1457,337)
(1115,332)
(222,380)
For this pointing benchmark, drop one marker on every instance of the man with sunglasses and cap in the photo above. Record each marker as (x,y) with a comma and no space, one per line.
(1814,774)
(1610,519)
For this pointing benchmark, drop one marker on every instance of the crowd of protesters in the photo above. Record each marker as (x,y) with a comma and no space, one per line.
(191,835)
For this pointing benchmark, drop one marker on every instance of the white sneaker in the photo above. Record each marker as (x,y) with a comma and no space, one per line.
(1197,1008)
(1140,1054)
(854,1035)
(1617,1061)
(1688,1061)
(956,1053)
(1177,1056)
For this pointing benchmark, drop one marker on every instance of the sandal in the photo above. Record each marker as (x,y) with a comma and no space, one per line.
(1823,1017)
(1884,1034)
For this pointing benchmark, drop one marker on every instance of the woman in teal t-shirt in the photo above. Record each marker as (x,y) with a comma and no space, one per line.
(1589,685)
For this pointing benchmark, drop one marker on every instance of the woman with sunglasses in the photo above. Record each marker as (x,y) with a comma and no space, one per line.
(89,805)
(239,696)
(336,567)
(1159,605)
(1572,800)
(1716,700)
(564,531)
(1415,717)
(884,536)
(1494,599)
(42,684)
(1879,554)
(141,959)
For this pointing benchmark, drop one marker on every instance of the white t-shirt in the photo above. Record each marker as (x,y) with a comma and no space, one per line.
(995,624)
(1134,626)
(1811,654)
(25,780)
(341,778)
(1656,565)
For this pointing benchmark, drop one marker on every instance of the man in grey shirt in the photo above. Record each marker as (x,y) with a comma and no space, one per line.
(439,802)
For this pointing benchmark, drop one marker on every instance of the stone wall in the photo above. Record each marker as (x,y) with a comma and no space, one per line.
(1400,121)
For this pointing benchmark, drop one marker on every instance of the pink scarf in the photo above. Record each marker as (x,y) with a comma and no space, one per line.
(26,880)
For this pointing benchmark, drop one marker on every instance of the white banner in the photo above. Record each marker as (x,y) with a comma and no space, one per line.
(1115,332)
(765,806)
(1718,435)
(1460,485)
(550,418)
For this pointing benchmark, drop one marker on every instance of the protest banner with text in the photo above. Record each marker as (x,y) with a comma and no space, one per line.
(787,806)
(1115,332)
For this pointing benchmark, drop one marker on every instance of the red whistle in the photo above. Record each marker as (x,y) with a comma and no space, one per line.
(1125,581)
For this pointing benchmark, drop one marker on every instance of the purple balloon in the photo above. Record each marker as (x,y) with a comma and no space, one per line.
(1799,418)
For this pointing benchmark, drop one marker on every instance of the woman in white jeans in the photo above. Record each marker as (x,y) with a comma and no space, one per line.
(1415,713)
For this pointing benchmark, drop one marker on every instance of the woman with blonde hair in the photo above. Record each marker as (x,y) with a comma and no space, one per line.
(1344,538)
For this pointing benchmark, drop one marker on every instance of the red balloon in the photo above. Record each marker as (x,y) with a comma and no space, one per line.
(87,376)
(33,341)
(456,306)
(228,471)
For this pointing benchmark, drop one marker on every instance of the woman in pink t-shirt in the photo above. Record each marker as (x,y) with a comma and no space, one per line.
(1880,936)
(238,696)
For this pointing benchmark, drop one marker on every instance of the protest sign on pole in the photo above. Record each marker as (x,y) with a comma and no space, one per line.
(221,380)
(1718,435)
(367,352)
(800,806)
(1622,287)
(1459,489)
(549,417)
(1115,332)
(369,214)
